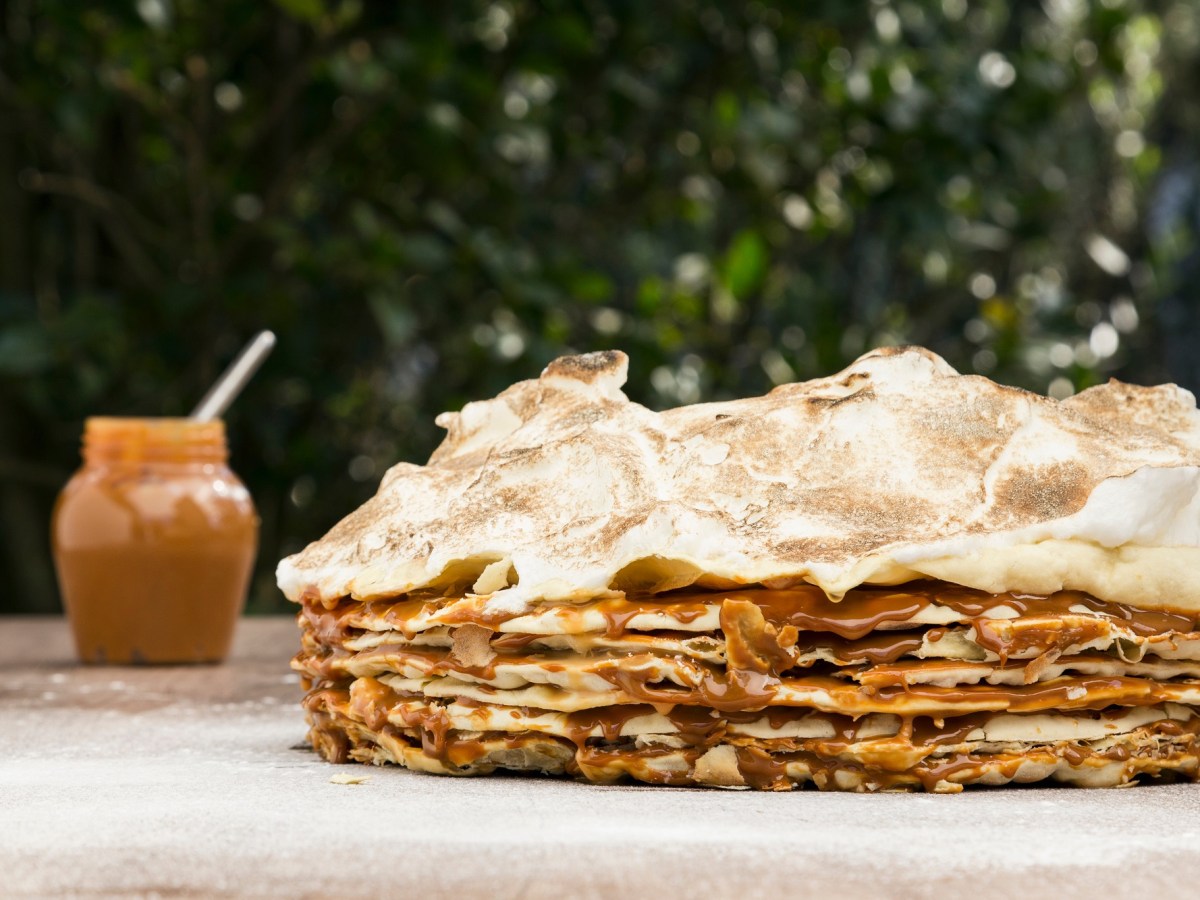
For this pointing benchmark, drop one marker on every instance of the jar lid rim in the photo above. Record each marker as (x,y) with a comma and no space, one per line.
(112,439)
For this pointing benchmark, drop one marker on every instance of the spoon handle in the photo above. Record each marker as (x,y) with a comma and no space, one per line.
(233,379)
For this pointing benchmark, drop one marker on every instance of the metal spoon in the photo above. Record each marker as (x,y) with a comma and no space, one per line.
(234,378)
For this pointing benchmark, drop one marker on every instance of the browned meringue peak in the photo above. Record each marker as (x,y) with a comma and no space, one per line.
(894,469)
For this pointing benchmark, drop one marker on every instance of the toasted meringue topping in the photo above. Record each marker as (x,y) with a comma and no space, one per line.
(895,469)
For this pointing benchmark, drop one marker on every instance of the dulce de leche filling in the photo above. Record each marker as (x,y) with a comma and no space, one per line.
(728,687)
(154,540)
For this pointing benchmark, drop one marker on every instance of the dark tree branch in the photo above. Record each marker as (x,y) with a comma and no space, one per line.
(112,214)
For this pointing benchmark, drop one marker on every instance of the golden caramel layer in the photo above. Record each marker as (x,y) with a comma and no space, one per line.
(761,688)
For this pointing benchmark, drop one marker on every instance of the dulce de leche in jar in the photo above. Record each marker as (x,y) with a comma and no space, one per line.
(154,539)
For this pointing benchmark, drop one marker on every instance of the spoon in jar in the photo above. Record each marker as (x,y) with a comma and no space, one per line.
(234,378)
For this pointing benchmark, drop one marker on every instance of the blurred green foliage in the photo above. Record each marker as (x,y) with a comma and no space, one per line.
(429,201)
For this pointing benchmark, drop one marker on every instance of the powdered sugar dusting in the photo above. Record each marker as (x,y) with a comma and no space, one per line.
(185,781)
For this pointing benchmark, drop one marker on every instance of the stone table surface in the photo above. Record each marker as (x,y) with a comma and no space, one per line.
(192,781)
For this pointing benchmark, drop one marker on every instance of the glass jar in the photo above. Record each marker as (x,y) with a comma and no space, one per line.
(154,539)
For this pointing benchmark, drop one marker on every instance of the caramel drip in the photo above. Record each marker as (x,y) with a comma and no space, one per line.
(1142,622)
(325,698)
(899,760)
(733,688)
(322,663)
(618,611)
(434,731)
(1119,753)
(327,738)
(1074,754)
(397,614)
(877,649)
(609,719)
(603,758)
(862,611)
(443,745)
(1046,636)
(329,626)
(904,673)
(752,690)
(435,662)
(737,690)
(858,614)
(699,725)
(1086,692)
(931,731)
(932,774)
(505,643)
(761,770)
(370,701)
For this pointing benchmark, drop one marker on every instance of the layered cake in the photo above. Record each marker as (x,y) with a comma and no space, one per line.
(893,578)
